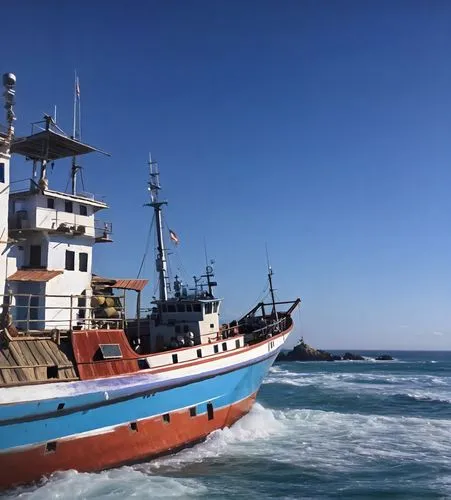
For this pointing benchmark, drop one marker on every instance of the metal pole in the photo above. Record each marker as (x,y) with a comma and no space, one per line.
(138,315)
(28,313)
(70,319)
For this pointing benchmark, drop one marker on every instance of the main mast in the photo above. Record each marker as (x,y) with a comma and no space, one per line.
(161,263)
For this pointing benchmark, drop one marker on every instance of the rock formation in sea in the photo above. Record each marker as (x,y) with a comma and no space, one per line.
(303,352)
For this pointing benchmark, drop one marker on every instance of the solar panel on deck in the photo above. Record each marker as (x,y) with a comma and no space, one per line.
(110,351)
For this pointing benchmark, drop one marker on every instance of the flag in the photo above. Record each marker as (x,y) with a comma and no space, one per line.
(173,237)
(77,88)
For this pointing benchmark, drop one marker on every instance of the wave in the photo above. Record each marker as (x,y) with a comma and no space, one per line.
(314,443)
(113,484)
(380,383)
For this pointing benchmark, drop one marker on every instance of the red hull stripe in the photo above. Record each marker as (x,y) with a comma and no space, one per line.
(124,444)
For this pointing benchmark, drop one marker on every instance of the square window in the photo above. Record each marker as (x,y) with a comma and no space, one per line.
(166,418)
(83,264)
(83,210)
(68,207)
(192,411)
(70,260)
(50,202)
(212,325)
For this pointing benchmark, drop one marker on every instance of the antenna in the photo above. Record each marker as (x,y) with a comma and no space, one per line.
(9,82)
(271,289)
(76,132)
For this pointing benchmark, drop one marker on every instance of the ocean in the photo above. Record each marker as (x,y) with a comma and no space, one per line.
(348,429)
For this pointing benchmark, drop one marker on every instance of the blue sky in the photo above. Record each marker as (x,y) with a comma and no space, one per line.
(319,128)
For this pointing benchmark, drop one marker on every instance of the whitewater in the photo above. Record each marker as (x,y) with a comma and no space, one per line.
(365,429)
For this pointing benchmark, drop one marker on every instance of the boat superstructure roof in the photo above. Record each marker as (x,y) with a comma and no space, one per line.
(50,144)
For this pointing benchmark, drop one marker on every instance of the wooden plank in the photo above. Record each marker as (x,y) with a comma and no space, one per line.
(43,356)
(63,360)
(29,353)
(9,360)
(44,346)
(9,376)
(20,360)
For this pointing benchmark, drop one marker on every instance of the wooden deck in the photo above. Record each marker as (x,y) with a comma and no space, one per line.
(28,360)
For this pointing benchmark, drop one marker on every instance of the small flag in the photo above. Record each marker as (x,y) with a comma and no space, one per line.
(173,237)
(77,88)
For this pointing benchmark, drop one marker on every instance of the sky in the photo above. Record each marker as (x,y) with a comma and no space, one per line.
(318,129)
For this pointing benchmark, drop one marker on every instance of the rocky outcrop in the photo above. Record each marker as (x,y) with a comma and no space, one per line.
(384,357)
(304,352)
(349,356)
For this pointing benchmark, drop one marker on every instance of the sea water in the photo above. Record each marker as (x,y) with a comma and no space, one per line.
(358,429)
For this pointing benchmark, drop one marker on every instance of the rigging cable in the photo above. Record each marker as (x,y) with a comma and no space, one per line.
(149,234)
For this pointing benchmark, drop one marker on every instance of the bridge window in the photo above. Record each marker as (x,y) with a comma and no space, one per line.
(180,308)
(171,308)
(83,210)
(35,255)
(68,207)
(70,260)
(197,308)
(208,308)
(188,308)
(215,307)
(83,261)
(50,202)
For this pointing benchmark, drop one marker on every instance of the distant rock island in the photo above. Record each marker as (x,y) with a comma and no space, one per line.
(303,352)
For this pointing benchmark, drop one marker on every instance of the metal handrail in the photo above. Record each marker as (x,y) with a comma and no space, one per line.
(90,320)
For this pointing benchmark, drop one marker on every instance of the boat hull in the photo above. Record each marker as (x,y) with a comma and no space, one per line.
(130,430)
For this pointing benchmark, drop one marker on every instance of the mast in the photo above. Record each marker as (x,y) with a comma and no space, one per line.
(161,263)
(76,133)
(271,289)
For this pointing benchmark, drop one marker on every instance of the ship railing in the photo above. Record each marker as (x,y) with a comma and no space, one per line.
(273,328)
(41,313)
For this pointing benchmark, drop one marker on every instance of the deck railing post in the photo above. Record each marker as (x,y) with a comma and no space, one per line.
(70,314)
(28,312)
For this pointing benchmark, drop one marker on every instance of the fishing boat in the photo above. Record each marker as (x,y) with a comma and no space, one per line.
(82,386)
